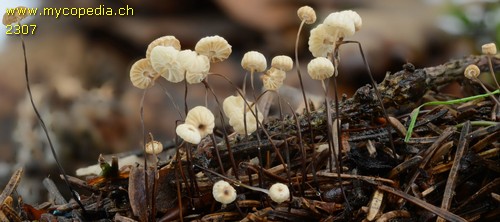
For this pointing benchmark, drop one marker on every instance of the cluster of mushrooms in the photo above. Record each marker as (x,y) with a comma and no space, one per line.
(164,58)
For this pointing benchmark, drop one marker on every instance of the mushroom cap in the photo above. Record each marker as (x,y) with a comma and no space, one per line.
(279,193)
(188,133)
(201,118)
(276,73)
(236,121)
(16,17)
(154,147)
(282,62)
(232,104)
(196,66)
(164,61)
(223,192)
(320,41)
(142,74)
(271,83)
(339,24)
(167,40)
(254,61)
(489,49)
(320,68)
(307,14)
(216,48)
(358,22)
(472,71)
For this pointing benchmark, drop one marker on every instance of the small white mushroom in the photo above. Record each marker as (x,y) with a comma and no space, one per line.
(472,71)
(223,192)
(254,61)
(142,74)
(282,62)
(154,147)
(216,48)
(320,41)
(307,14)
(489,49)
(279,193)
(201,118)
(320,68)
(188,133)
(168,40)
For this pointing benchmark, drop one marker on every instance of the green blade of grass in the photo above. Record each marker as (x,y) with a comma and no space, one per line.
(414,113)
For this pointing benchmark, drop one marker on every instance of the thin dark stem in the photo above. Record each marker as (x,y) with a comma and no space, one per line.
(302,86)
(146,182)
(185,95)
(176,107)
(219,160)
(259,142)
(226,139)
(379,97)
(46,132)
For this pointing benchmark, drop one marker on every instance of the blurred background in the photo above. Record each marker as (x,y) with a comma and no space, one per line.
(79,68)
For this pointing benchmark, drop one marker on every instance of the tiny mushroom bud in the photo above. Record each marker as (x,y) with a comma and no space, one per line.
(489,49)
(9,18)
(168,40)
(339,24)
(196,66)
(142,74)
(472,71)
(282,62)
(164,61)
(188,133)
(254,61)
(223,192)
(307,14)
(216,48)
(201,118)
(321,42)
(279,193)
(154,147)
(320,68)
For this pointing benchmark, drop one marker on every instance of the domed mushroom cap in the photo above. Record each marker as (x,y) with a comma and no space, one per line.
(489,49)
(472,71)
(196,66)
(254,61)
(320,68)
(167,40)
(142,74)
(307,14)
(223,192)
(16,17)
(201,118)
(216,48)
(154,147)
(339,24)
(164,61)
(358,22)
(279,193)
(188,133)
(320,41)
(282,62)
